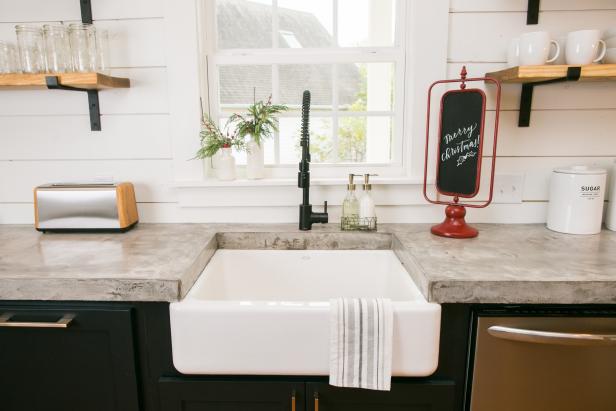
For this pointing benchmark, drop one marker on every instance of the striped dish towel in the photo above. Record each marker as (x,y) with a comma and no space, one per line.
(361,331)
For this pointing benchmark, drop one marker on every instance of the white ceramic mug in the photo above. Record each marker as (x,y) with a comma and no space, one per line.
(562,42)
(535,48)
(583,47)
(513,52)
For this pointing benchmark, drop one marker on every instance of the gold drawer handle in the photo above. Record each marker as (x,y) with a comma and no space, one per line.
(63,322)
(293,401)
(316,401)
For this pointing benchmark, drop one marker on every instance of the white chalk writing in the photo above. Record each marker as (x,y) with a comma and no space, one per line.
(463,149)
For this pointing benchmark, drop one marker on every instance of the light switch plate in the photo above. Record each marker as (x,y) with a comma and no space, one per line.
(508,188)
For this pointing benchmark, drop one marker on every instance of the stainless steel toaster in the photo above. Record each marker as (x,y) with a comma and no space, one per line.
(84,207)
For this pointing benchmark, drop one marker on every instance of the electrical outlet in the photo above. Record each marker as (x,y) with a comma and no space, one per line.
(508,188)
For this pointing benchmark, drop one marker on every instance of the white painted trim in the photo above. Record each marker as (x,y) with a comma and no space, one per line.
(330,55)
(182,56)
(428,39)
(423,62)
(276,182)
(307,55)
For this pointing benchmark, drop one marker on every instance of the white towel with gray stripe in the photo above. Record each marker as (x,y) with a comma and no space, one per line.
(361,334)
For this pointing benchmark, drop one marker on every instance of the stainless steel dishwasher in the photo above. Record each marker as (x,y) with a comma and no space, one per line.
(546,363)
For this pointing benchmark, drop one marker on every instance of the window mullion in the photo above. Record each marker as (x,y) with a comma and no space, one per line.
(335,23)
(334,156)
(275,24)
(276,100)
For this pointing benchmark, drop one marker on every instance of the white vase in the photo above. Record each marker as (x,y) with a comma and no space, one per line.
(255,160)
(225,165)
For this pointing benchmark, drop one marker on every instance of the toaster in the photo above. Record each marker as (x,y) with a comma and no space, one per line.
(85,207)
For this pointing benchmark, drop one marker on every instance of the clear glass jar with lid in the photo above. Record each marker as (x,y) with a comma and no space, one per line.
(83,46)
(57,48)
(30,44)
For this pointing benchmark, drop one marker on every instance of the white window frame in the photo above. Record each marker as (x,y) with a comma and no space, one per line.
(398,54)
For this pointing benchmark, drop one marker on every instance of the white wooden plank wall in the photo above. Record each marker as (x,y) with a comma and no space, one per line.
(45,136)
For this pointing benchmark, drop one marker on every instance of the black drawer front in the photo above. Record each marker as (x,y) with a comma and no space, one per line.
(261,394)
(179,394)
(87,365)
(404,396)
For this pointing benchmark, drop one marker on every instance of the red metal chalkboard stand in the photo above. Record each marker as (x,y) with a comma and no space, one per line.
(454,225)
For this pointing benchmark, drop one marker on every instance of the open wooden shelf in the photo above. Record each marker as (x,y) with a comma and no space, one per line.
(531,76)
(90,83)
(83,81)
(536,74)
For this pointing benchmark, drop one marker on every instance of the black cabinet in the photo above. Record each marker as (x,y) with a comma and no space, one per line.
(116,356)
(259,395)
(67,358)
(404,396)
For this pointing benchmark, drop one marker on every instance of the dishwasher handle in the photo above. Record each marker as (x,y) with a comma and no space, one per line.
(551,337)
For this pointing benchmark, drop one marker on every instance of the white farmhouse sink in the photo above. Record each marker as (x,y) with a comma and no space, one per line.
(266,312)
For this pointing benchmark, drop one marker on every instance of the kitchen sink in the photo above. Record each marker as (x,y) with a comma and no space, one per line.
(266,312)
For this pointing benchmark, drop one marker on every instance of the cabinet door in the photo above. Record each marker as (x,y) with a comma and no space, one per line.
(404,396)
(66,358)
(180,394)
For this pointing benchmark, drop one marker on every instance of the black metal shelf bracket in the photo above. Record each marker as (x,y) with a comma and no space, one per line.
(53,83)
(86,11)
(532,13)
(526,98)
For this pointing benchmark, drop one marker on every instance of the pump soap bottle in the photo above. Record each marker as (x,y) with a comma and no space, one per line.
(367,212)
(350,208)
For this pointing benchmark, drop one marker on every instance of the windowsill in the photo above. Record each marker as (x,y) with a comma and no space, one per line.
(275,182)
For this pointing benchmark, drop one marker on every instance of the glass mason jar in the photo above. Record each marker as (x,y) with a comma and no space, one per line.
(8,58)
(102,51)
(30,43)
(57,49)
(83,46)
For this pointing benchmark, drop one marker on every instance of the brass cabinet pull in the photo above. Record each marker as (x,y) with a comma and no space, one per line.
(316,401)
(63,322)
(293,401)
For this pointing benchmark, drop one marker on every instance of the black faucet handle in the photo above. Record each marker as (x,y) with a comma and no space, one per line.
(325,207)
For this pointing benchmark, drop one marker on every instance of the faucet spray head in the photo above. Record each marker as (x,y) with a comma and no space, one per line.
(305,115)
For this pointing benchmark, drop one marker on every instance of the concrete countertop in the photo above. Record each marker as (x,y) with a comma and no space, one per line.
(161,262)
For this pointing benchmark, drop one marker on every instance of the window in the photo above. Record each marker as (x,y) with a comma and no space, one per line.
(348,53)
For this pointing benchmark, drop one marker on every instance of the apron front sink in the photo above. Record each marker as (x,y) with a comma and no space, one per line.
(266,312)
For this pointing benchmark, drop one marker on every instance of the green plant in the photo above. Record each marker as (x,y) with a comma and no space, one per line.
(213,139)
(260,122)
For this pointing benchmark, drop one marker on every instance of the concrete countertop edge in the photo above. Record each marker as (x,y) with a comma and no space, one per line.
(488,277)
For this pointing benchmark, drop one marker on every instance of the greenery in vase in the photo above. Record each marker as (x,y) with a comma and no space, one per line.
(260,122)
(213,139)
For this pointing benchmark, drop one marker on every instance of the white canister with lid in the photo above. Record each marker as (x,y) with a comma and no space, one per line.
(576,200)
(610,217)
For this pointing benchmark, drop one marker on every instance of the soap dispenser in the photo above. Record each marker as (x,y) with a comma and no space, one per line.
(350,207)
(367,212)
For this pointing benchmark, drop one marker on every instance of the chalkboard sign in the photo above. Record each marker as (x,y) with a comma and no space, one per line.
(460,142)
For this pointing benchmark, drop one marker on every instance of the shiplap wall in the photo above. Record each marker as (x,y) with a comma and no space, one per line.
(44,135)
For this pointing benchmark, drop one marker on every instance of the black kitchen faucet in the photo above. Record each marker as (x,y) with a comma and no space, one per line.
(306,216)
